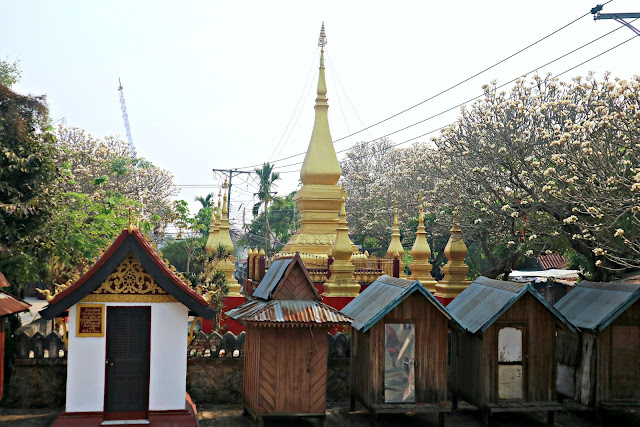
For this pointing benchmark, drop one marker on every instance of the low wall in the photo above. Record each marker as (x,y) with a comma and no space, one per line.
(214,370)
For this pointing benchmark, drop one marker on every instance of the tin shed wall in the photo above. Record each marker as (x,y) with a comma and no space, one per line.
(615,366)
(361,366)
(538,351)
(431,328)
(466,369)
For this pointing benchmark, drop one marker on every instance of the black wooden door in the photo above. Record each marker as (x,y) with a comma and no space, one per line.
(127,372)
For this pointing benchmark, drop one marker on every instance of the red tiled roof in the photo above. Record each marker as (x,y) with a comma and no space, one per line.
(10,305)
(146,247)
(552,261)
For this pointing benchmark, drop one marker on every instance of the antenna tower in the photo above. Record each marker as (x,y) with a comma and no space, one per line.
(125,117)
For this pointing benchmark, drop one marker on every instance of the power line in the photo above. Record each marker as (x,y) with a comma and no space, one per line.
(445,90)
(498,87)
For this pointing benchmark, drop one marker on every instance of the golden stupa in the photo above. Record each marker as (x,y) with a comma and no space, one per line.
(455,271)
(320,198)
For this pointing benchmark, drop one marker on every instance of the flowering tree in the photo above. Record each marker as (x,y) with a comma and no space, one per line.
(549,164)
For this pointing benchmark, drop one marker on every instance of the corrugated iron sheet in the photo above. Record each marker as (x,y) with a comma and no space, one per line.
(10,305)
(481,301)
(485,300)
(381,297)
(287,311)
(594,306)
(271,278)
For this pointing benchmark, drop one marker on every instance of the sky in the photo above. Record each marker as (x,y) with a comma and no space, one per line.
(212,84)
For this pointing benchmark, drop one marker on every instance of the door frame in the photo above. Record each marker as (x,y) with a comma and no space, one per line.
(416,349)
(126,415)
(522,326)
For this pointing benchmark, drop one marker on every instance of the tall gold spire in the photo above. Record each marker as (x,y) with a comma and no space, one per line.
(223,228)
(342,282)
(319,199)
(395,245)
(455,271)
(212,240)
(227,265)
(421,268)
(321,162)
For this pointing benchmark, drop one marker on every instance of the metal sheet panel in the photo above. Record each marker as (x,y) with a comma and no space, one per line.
(481,301)
(382,296)
(287,311)
(594,306)
(399,363)
(10,305)
(272,278)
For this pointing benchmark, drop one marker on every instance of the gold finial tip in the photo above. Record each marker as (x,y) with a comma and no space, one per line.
(225,185)
(322,40)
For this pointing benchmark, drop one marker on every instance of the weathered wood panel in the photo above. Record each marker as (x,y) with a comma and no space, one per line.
(625,375)
(467,367)
(538,348)
(618,358)
(430,353)
(295,287)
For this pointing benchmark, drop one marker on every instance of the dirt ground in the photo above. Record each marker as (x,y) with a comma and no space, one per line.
(338,415)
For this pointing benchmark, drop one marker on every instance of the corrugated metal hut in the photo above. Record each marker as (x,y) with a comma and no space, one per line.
(286,344)
(505,361)
(399,348)
(600,367)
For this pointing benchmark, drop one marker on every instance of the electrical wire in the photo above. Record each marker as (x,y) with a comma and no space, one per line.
(445,90)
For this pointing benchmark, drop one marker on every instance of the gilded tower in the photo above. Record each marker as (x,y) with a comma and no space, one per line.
(320,198)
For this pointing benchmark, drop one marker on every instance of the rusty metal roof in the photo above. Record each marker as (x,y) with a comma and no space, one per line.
(271,278)
(381,297)
(593,306)
(553,261)
(10,305)
(287,312)
(485,300)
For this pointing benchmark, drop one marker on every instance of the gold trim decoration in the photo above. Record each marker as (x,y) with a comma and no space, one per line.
(90,316)
(130,278)
(128,298)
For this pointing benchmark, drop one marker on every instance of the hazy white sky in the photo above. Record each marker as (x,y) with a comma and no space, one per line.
(232,84)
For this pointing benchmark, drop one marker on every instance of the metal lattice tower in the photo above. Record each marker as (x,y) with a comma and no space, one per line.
(125,117)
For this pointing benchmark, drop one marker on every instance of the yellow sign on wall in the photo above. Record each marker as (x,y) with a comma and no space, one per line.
(90,320)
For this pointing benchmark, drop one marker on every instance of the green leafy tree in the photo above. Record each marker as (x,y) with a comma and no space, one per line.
(283,220)
(266,186)
(27,171)
(9,73)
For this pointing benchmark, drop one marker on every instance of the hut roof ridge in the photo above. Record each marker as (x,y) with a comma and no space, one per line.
(382,296)
(595,305)
(277,272)
(485,300)
(128,242)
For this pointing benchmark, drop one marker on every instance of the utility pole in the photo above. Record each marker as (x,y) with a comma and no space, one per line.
(618,17)
(232,173)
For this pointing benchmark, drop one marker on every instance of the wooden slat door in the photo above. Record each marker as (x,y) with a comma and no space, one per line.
(625,368)
(127,371)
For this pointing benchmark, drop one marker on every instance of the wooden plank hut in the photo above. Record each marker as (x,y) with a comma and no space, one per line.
(286,344)
(504,361)
(128,317)
(399,348)
(600,366)
(8,305)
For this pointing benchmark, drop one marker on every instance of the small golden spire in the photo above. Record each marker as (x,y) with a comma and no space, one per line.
(130,228)
(342,282)
(455,271)
(421,252)
(395,245)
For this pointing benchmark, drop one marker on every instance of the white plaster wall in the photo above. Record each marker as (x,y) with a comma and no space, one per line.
(168,364)
(168,382)
(85,370)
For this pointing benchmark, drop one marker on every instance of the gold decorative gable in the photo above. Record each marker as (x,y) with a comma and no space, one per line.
(129,282)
